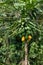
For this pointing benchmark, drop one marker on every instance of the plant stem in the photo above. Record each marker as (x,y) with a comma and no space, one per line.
(26,53)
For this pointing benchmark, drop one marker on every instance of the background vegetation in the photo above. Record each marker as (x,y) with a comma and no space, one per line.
(20,19)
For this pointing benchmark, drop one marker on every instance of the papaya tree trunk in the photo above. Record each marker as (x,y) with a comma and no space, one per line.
(26,53)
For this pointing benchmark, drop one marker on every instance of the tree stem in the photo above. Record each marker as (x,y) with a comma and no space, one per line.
(26,53)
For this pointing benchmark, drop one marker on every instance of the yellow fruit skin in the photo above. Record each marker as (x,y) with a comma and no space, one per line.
(29,37)
(23,38)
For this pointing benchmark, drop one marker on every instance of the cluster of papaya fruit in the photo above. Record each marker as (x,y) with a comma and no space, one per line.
(23,38)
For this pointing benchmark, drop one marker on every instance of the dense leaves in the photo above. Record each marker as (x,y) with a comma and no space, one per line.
(21,20)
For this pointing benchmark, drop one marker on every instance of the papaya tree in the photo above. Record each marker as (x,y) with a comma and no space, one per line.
(19,19)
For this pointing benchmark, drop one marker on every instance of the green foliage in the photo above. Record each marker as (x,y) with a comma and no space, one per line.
(21,18)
